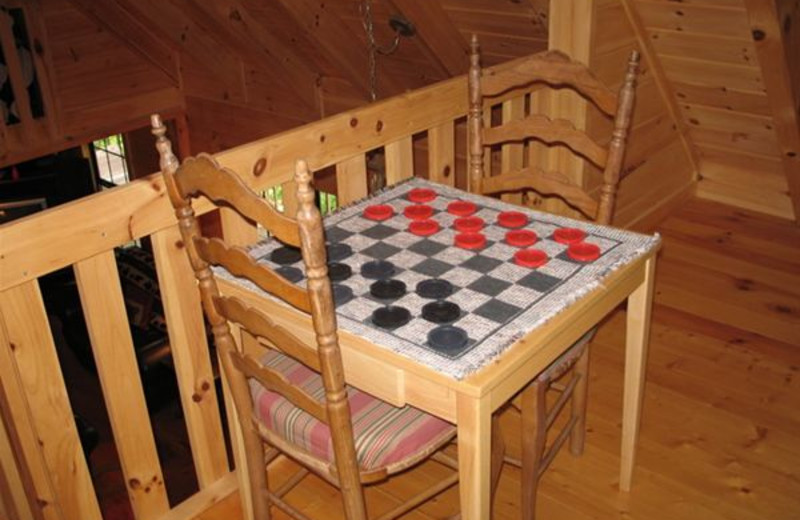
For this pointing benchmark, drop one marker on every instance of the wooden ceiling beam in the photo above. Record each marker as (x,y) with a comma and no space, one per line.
(338,46)
(235,27)
(772,52)
(131,32)
(440,39)
(169,22)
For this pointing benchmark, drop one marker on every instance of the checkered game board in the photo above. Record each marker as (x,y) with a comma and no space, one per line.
(498,300)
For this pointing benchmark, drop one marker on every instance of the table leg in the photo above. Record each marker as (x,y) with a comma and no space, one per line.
(474,418)
(636,338)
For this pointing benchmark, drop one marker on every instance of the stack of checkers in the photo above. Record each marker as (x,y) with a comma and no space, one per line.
(442,272)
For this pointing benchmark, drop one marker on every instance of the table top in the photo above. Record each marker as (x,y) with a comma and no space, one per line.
(489,300)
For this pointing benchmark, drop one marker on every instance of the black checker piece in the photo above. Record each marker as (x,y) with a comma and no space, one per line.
(286,255)
(448,340)
(379,232)
(292,274)
(434,288)
(387,289)
(377,269)
(338,272)
(497,310)
(489,285)
(441,311)
(391,317)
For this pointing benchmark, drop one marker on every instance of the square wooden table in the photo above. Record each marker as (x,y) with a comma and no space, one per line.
(401,369)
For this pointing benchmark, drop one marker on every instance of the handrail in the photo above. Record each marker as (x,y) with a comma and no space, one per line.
(84,233)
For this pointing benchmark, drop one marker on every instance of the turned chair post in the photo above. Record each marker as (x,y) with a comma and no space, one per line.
(569,373)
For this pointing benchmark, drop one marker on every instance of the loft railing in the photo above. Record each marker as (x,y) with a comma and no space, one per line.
(44,471)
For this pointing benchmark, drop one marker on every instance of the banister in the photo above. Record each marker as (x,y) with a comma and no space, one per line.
(85,232)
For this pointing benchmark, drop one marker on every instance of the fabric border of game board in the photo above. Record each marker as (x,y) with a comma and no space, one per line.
(630,246)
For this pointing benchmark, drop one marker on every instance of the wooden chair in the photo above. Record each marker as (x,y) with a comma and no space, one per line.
(293,400)
(554,70)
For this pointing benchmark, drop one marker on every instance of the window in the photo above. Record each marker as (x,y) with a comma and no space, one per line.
(111,165)
(326,202)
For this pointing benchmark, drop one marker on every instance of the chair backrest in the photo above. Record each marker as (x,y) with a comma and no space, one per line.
(555,70)
(201,175)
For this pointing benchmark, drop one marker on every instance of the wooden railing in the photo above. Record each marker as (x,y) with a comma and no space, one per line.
(44,472)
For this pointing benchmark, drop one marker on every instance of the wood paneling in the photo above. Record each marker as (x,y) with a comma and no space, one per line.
(658,166)
(713,74)
(694,18)
(218,126)
(725,172)
(505,28)
(721,60)
(750,102)
(735,51)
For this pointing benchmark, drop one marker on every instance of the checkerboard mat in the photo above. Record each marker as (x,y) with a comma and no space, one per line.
(500,301)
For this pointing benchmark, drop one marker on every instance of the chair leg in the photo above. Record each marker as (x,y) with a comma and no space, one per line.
(579,397)
(534,436)
(498,452)
(257,472)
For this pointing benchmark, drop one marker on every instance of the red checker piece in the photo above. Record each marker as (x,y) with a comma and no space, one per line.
(521,237)
(468,224)
(423,228)
(418,212)
(378,212)
(421,195)
(569,235)
(462,208)
(530,257)
(583,252)
(512,219)
(470,240)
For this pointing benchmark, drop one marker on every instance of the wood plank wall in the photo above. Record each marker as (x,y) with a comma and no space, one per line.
(659,166)
(100,85)
(707,53)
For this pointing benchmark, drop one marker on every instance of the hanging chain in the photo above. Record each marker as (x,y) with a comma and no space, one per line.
(366,14)
(372,47)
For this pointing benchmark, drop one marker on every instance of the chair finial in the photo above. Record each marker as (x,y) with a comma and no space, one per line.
(167,160)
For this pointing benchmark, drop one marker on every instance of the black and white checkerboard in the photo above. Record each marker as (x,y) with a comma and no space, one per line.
(500,301)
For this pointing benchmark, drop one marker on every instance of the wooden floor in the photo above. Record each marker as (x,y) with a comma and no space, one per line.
(720,436)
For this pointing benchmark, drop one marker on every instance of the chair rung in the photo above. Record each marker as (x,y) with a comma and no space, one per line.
(445,460)
(286,508)
(551,452)
(560,402)
(421,498)
(291,482)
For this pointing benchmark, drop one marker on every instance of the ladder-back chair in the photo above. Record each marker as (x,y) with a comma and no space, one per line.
(555,70)
(292,399)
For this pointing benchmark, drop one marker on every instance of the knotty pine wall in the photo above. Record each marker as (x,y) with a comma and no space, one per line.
(706,49)
(99,85)
(659,169)
(99,80)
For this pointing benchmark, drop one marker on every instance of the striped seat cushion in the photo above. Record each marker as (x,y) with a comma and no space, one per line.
(385,436)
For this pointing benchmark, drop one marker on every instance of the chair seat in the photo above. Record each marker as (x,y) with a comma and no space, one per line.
(386,437)
(568,358)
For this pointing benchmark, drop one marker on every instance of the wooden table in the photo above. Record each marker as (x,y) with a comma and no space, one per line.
(469,402)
